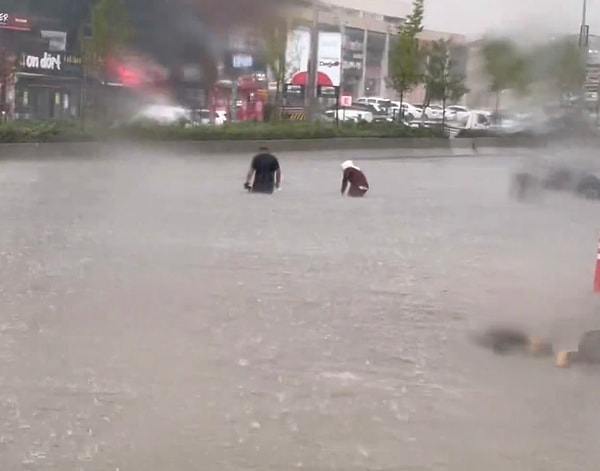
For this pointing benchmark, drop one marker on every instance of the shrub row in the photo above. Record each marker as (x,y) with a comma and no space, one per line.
(56,132)
(42,131)
(53,131)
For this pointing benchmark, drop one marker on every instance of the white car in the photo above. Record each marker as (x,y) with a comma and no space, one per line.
(457,112)
(409,111)
(220,117)
(378,102)
(346,114)
(434,112)
(164,115)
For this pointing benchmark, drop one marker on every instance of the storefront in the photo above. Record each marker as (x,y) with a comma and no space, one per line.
(46,86)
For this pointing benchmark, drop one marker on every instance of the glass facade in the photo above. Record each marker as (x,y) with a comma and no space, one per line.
(353,58)
(375,71)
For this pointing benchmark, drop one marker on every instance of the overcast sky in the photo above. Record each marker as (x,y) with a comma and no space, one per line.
(475,17)
(479,16)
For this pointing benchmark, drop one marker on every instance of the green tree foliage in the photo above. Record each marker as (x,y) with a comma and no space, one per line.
(562,63)
(110,32)
(441,82)
(405,62)
(275,41)
(506,66)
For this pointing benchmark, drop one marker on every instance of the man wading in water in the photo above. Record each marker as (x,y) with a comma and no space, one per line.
(264,175)
(356,178)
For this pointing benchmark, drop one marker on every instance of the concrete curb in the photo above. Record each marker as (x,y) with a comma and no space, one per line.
(402,147)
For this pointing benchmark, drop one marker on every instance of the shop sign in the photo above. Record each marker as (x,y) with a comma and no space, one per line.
(325,91)
(10,21)
(352,65)
(290,89)
(47,62)
(55,63)
(242,61)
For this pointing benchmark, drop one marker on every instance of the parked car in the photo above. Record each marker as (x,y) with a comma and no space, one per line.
(457,112)
(348,114)
(381,104)
(379,115)
(164,115)
(434,112)
(409,112)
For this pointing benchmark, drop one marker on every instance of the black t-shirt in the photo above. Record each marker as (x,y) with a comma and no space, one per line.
(264,165)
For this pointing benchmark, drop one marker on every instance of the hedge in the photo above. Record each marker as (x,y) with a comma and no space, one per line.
(60,132)
(42,131)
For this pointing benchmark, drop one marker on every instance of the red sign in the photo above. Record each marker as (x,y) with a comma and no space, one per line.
(14,22)
(346,101)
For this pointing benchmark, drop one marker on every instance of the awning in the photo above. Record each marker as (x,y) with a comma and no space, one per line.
(301,78)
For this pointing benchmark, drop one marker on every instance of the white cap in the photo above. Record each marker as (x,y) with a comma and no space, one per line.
(348,164)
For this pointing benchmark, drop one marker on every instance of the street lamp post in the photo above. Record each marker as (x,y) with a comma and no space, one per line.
(584,46)
(311,79)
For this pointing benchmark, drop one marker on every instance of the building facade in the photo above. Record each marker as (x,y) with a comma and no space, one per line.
(366,41)
(40,78)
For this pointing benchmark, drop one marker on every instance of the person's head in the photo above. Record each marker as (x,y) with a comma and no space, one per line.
(347,164)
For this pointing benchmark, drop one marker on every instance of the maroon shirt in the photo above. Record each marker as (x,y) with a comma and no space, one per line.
(357,180)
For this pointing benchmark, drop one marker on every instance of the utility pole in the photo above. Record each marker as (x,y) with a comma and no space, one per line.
(584,33)
(311,79)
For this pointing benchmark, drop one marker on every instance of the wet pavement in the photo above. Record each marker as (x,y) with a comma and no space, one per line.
(156,317)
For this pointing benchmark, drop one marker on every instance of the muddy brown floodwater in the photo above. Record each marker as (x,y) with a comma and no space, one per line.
(155,317)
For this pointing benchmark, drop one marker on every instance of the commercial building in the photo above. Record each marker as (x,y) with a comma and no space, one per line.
(366,38)
(39,77)
(193,50)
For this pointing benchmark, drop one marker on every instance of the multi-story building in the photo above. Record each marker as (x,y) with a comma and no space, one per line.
(198,44)
(366,40)
(39,76)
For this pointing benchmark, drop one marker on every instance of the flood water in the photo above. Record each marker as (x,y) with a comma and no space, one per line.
(156,317)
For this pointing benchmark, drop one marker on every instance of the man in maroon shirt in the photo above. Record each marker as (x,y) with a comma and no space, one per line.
(354,177)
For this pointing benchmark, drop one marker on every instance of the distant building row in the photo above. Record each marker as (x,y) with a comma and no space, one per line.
(365,45)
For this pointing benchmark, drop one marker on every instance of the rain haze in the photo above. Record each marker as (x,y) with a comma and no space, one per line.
(476,17)
(155,316)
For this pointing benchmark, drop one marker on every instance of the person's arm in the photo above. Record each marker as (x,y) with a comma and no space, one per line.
(277,177)
(277,173)
(250,176)
(344,182)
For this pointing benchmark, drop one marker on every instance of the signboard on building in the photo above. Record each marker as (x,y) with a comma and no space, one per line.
(14,22)
(51,63)
(293,90)
(329,61)
(353,50)
(325,91)
(239,63)
(346,101)
(57,40)
(297,52)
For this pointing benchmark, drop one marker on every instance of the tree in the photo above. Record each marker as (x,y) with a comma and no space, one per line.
(405,56)
(562,63)
(506,67)
(440,80)
(110,33)
(275,41)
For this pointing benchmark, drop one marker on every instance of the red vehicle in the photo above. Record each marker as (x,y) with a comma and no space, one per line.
(250,99)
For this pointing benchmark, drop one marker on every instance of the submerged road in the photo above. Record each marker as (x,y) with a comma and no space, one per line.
(155,317)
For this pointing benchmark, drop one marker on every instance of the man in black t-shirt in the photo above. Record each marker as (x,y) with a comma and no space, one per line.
(264,175)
